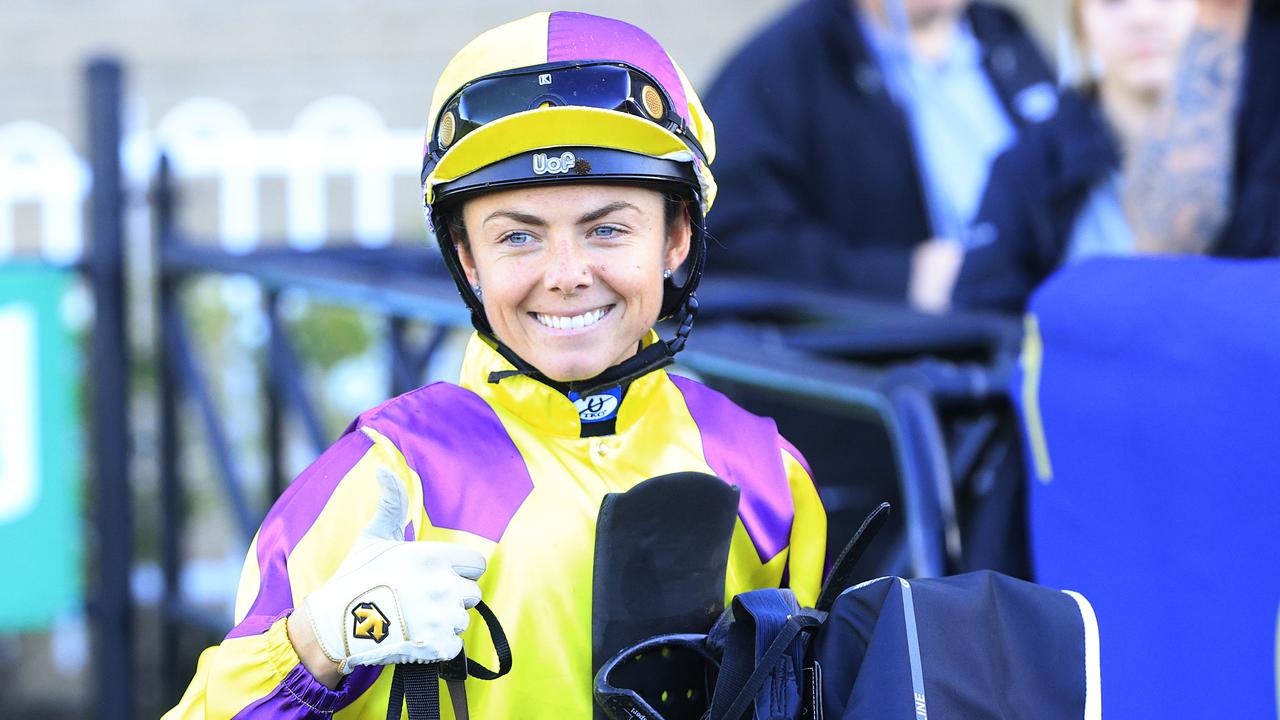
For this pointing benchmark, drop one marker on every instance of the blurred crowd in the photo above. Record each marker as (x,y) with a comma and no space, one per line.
(926,151)
(930,153)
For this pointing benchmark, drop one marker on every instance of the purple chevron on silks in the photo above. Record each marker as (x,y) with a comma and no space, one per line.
(289,519)
(300,697)
(578,36)
(473,477)
(744,449)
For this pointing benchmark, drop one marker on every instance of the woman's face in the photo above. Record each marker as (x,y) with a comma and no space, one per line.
(1137,42)
(922,11)
(571,275)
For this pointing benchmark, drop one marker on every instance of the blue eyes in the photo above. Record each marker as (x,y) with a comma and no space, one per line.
(520,238)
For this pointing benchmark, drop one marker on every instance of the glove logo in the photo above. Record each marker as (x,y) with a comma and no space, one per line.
(370,623)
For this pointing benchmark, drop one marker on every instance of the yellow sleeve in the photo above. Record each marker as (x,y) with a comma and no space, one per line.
(255,671)
(250,667)
(808,546)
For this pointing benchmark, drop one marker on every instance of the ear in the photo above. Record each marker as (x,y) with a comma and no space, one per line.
(467,261)
(679,237)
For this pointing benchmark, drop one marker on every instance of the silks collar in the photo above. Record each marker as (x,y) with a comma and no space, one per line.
(489,371)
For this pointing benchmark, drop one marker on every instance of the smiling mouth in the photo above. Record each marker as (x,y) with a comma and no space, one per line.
(572,322)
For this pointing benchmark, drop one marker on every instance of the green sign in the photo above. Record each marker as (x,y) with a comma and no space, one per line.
(40,450)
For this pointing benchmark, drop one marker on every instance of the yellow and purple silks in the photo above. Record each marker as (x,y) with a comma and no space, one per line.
(502,468)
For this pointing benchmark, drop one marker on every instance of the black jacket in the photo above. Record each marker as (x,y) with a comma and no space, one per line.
(1036,191)
(817,170)
(1254,228)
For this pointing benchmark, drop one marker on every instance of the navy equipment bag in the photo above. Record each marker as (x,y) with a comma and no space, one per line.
(974,646)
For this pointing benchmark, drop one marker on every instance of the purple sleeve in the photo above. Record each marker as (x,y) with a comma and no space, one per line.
(301,697)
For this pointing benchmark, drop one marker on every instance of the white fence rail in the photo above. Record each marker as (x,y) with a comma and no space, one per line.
(210,139)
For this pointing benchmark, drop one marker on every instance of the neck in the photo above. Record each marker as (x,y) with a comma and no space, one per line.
(929,34)
(1129,112)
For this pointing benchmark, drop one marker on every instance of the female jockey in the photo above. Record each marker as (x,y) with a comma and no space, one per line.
(565,175)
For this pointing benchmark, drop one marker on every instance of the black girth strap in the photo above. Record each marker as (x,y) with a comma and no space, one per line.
(419,683)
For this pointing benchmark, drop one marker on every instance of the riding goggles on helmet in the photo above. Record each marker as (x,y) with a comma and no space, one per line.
(602,85)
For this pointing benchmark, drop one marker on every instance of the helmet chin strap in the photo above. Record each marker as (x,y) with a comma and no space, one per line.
(658,355)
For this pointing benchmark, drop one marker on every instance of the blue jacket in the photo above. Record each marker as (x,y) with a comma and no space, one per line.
(818,176)
(1036,191)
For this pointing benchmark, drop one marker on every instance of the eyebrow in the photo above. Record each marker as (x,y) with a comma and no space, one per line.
(519,217)
(527,219)
(606,210)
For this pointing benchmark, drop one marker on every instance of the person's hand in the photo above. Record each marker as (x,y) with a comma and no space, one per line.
(390,601)
(935,265)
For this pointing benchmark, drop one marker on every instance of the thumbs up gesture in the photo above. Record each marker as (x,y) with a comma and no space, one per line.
(393,601)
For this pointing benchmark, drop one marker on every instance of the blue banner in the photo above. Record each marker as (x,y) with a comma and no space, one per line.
(1150,393)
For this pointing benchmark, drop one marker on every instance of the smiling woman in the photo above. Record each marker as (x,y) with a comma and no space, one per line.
(572,275)
(566,177)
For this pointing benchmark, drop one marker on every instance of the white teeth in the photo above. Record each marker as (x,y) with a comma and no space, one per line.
(560,322)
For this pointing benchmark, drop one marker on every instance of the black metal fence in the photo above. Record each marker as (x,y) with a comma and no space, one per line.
(935,387)
(110,605)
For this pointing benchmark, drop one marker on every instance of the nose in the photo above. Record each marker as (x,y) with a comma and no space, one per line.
(568,270)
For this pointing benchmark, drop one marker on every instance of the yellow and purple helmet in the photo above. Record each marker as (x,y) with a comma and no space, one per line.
(567,97)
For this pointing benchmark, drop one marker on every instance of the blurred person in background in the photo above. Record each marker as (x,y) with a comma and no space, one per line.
(856,136)
(566,176)
(1138,160)
(860,133)
(1206,177)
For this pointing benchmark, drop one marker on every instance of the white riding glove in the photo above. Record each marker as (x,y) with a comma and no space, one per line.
(393,601)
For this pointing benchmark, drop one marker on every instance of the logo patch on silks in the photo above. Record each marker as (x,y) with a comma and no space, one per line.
(370,623)
(600,407)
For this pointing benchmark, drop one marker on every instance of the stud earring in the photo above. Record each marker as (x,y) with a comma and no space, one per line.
(666,273)
(479,293)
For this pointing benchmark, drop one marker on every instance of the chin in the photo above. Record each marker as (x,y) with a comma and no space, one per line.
(572,372)
(1151,78)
